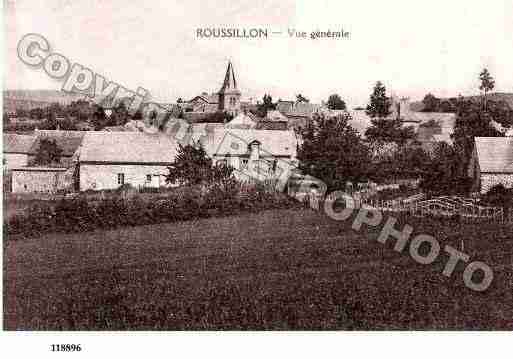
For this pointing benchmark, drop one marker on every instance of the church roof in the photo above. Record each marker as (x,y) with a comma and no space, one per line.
(229,83)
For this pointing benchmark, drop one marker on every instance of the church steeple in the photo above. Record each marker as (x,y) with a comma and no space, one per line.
(229,95)
(229,83)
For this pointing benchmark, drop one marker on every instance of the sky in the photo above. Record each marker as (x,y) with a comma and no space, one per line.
(413,47)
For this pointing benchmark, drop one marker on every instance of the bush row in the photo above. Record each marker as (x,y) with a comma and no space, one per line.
(81,214)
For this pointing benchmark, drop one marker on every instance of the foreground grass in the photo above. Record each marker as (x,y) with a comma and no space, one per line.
(279,269)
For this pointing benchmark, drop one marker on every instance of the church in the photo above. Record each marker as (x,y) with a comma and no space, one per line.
(226,100)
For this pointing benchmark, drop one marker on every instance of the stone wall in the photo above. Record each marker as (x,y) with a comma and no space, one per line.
(488,180)
(105,176)
(26,181)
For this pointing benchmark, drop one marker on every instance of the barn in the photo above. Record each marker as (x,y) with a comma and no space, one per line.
(108,160)
(40,179)
(16,149)
(491,163)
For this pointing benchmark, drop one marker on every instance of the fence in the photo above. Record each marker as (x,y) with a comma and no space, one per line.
(444,206)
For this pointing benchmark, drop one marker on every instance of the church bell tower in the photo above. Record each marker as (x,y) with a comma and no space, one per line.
(229,95)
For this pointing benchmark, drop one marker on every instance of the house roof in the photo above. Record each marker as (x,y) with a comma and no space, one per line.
(39,169)
(297,109)
(67,141)
(495,154)
(272,125)
(212,99)
(14,143)
(241,121)
(204,132)
(284,106)
(275,115)
(236,141)
(127,147)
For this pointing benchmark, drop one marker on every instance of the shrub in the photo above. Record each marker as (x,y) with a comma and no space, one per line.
(86,212)
(499,196)
(73,215)
(221,199)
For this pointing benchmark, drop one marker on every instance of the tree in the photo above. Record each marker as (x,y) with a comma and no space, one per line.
(443,174)
(379,105)
(120,115)
(266,105)
(192,166)
(137,116)
(335,102)
(48,152)
(382,131)
(487,84)
(471,121)
(333,151)
(431,103)
(99,119)
(300,98)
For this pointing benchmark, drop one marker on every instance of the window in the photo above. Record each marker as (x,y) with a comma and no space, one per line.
(121,178)
(148,178)
(244,163)
(223,162)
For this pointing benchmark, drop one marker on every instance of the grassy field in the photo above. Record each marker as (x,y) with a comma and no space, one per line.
(280,269)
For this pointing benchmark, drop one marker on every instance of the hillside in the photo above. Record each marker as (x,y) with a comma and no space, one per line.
(28,99)
(496,96)
(280,269)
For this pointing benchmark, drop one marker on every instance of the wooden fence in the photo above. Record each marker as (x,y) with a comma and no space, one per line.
(466,209)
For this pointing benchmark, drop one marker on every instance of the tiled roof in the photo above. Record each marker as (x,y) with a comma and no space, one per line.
(360,121)
(67,141)
(272,125)
(297,109)
(127,147)
(213,99)
(14,143)
(495,154)
(236,141)
(241,121)
(196,116)
(284,106)
(204,132)
(444,124)
(275,115)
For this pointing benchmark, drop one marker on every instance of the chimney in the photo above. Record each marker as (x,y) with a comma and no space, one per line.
(254,151)
(404,108)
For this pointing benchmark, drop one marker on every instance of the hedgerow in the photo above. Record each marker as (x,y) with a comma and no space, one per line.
(86,213)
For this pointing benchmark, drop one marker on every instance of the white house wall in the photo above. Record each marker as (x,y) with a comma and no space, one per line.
(105,176)
(13,160)
(37,181)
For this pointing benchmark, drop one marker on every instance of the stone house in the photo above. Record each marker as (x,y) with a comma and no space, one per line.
(254,154)
(67,141)
(491,163)
(16,150)
(108,160)
(40,179)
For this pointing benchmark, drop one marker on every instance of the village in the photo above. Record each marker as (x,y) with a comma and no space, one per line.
(240,134)
(225,186)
